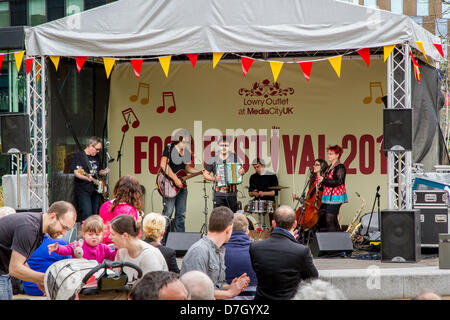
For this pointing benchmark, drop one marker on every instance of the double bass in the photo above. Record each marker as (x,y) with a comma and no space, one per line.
(310,215)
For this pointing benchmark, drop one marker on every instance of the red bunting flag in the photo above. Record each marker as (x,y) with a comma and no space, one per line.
(80,62)
(193,58)
(1,60)
(137,65)
(365,55)
(246,64)
(29,63)
(414,60)
(417,73)
(306,68)
(439,48)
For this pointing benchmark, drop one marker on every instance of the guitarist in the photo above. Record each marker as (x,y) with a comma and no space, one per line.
(87,197)
(177,156)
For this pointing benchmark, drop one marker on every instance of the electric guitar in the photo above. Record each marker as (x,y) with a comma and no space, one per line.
(166,186)
(100,183)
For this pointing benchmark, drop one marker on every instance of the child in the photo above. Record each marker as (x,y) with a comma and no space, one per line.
(91,246)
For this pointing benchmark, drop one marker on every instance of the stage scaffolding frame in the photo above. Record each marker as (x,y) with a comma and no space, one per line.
(398,96)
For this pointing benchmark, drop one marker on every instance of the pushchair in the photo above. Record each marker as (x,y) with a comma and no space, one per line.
(82,279)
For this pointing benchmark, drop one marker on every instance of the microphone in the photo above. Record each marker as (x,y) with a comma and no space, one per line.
(110,159)
(107,143)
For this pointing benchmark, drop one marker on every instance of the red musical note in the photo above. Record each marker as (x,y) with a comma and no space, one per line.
(145,100)
(135,123)
(172,108)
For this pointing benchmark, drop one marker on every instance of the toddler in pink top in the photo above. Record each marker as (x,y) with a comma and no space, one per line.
(91,246)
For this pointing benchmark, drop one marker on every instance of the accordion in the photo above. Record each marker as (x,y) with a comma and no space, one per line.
(228,173)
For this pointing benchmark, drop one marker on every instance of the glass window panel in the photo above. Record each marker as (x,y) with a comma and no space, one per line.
(36,12)
(94,3)
(397,6)
(18,12)
(370,3)
(418,20)
(4,14)
(55,10)
(423,7)
(441,27)
(74,6)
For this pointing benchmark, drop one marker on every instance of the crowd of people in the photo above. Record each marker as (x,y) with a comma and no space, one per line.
(223,264)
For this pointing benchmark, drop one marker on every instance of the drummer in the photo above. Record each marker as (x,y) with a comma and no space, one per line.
(261,182)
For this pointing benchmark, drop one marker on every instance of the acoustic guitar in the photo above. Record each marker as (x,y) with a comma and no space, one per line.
(100,183)
(167,188)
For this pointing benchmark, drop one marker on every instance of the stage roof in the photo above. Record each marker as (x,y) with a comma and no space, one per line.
(170,27)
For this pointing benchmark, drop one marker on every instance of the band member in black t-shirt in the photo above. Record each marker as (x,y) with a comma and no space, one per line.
(88,199)
(176,157)
(261,181)
(227,195)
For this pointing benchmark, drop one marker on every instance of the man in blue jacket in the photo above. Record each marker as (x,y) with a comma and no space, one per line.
(237,255)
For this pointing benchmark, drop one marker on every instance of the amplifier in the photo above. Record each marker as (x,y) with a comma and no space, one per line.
(430,198)
(433,220)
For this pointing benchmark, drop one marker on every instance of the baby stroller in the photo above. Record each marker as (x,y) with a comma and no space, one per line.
(82,279)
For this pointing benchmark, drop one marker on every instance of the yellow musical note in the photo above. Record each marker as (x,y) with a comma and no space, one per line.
(378,100)
(144,100)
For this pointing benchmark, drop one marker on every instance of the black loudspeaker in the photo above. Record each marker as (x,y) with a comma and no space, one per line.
(182,241)
(433,221)
(15,133)
(331,243)
(397,129)
(400,236)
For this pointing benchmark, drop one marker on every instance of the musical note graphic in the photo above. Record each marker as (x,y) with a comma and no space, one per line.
(172,108)
(378,100)
(146,87)
(135,123)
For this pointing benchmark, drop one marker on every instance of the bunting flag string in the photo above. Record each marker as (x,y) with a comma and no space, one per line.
(216,57)
(306,68)
(246,64)
(1,60)
(80,62)
(439,49)
(420,45)
(387,51)
(193,58)
(276,66)
(137,66)
(336,64)
(165,64)
(109,64)
(29,64)
(19,57)
(55,60)
(365,55)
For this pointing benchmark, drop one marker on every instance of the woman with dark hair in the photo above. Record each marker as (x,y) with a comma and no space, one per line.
(334,192)
(127,199)
(124,234)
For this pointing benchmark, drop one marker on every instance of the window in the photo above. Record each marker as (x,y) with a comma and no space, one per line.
(18,12)
(446,10)
(418,20)
(4,14)
(55,10)
(441,27)
(74,6)
(370,3)
(94,3)
(36,12)
(397,6)
(423,8)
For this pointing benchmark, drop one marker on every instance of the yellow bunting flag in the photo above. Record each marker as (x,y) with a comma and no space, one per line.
(165,64)
(420,45)
(216,57)
(276,68)
(19,58)
(336,64)
(109,64)
(55,60)
(387,51)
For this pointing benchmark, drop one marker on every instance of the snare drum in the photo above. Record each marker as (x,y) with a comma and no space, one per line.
(252,223)
(260,206)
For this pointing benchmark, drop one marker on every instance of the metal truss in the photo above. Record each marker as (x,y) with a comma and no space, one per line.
(399,96)
(37,158)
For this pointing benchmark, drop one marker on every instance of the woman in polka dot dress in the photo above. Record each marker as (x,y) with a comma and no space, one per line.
(334,193)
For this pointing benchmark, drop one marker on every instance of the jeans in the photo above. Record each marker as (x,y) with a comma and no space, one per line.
(6,292)
(179,204)
(226,201)
(88,204)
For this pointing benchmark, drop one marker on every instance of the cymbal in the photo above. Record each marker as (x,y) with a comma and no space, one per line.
(278,188)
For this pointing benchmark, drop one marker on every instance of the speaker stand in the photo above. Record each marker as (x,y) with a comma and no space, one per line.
(204,228)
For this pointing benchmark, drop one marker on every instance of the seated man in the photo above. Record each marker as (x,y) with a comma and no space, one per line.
(159,285)
(280,262)
(208,255)
(237,255)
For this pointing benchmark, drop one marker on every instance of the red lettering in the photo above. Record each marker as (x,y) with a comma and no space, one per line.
(154,160)
(307,157)
(383,158)
(366,139)
(290,154)
(138,153)
(349,138)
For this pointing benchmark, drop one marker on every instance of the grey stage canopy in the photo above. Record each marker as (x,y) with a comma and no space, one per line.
(163,27)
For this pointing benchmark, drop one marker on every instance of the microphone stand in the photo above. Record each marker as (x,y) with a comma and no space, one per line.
(376,200)
(119,153)
(302,212)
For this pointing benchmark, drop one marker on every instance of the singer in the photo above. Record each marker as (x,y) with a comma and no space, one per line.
(334,192)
